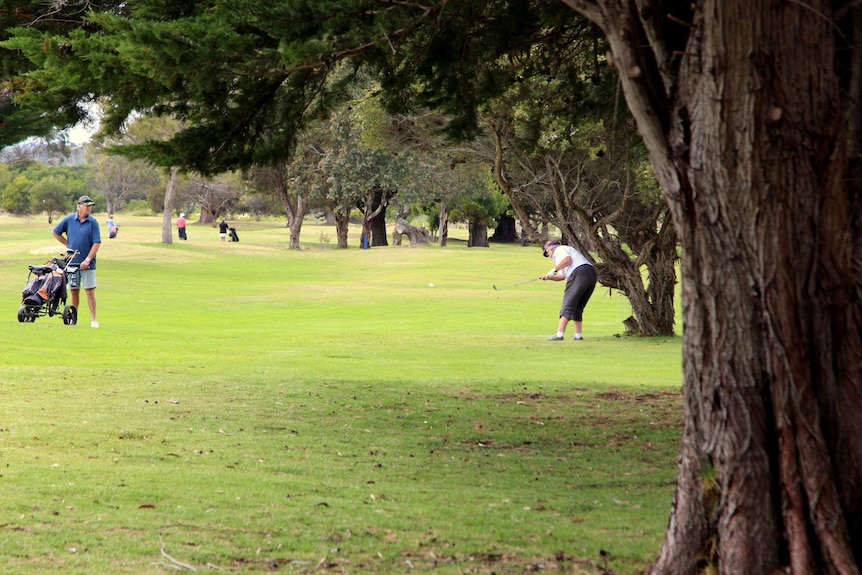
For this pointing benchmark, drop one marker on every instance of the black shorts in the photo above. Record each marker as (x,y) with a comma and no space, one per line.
(579,289)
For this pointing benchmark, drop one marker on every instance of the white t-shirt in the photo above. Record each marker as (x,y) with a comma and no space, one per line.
(578,259)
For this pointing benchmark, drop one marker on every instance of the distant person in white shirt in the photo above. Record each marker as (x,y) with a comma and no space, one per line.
(581,279)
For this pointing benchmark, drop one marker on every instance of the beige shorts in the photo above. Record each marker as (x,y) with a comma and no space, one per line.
(86,279)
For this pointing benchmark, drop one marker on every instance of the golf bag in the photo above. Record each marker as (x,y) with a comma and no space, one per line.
(233,236)
(48,284)
(112,233)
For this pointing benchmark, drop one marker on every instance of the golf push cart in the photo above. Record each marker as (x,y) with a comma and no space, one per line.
(46,290)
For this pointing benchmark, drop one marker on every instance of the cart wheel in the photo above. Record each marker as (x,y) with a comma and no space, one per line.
(70,315)
(22,313)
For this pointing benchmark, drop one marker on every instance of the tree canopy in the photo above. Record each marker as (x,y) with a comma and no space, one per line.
(245,76)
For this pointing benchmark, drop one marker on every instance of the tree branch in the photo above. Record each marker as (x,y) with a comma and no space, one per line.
(179,564)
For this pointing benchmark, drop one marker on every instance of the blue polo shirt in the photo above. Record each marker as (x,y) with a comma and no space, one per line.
(80,236)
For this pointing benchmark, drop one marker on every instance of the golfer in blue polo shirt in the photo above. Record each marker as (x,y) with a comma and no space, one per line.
(82,233)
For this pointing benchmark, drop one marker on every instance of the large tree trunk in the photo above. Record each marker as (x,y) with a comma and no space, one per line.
(739,104)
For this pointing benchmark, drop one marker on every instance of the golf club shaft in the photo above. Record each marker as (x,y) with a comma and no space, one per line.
(516,285)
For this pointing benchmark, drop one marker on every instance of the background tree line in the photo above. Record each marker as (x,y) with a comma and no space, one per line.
(356,134)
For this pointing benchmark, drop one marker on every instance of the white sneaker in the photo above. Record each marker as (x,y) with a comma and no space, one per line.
(94,324)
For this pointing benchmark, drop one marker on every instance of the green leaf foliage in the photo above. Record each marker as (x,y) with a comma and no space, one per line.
(245,76)
(27,28)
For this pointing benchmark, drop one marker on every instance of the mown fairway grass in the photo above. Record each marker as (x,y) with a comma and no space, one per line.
(248,408)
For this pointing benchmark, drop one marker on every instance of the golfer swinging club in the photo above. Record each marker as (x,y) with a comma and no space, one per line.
(581,278)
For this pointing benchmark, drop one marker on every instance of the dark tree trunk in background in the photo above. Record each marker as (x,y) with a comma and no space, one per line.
(478,237)
(373,206)
(505,232)
(530,232)
(295,215)
(342,222)
(378,229)
(657,315)
(443,238)
(444,226)
(740,106)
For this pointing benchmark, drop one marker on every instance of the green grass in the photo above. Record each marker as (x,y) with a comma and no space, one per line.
(249,408)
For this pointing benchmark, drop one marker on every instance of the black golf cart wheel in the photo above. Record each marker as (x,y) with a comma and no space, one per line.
(22,313)
(70,315)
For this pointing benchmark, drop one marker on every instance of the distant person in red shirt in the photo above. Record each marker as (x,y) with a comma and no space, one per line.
(181,226)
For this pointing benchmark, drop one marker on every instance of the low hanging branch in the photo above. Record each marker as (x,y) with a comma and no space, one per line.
(418,236)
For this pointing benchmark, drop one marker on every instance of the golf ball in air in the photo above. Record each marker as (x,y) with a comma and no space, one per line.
(430,285)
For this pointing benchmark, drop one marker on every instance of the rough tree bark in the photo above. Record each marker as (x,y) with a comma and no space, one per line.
(740,105)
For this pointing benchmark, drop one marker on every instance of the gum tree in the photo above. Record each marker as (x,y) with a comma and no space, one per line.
(290,183)
(120,180)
